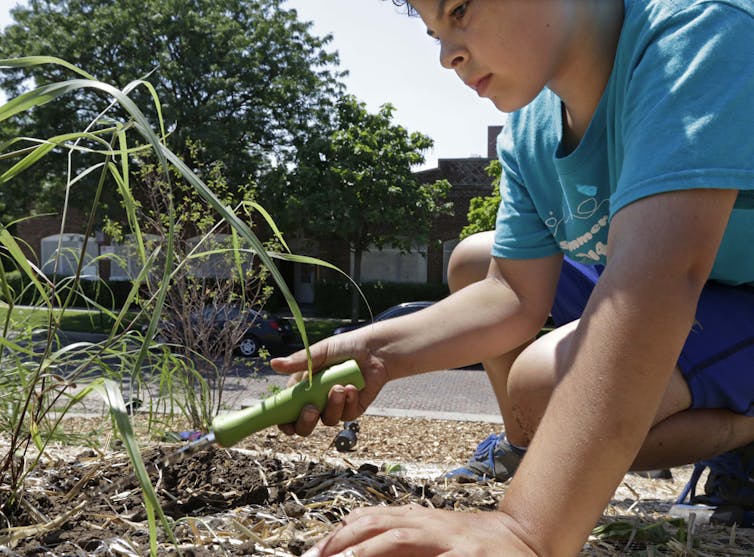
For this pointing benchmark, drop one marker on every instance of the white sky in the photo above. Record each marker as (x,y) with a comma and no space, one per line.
(391,59)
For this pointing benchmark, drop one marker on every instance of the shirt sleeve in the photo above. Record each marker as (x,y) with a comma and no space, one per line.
(520,232)
(688,108)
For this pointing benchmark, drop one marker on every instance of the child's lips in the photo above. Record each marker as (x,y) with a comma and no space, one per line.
(480,85)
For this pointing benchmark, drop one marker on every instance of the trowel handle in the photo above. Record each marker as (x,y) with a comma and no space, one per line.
(286,405)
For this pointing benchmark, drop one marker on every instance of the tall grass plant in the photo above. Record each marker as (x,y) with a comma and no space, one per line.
(41,378)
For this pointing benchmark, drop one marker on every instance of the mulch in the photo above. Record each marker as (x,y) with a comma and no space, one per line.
(277,495)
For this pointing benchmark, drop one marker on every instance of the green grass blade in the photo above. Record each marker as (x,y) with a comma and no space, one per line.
(92,135)
(30,61)
(270,222)
(39,96)
(114,399)
(307,260)
(155,100)
(41,151)
(33,273)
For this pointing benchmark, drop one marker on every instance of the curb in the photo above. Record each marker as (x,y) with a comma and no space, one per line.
(434,415)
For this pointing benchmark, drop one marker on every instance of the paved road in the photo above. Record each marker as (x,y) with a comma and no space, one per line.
(461,394)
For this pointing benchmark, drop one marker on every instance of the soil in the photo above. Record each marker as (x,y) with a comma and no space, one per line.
(277,495)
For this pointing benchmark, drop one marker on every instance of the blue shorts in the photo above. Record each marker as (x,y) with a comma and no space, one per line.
(717,359)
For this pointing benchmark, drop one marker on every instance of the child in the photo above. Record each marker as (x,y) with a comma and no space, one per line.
(628,146)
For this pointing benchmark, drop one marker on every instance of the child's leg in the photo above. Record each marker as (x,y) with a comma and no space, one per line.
(536,373)
(680,435)
(469,263)
(694,435)
(717,365)
(692,423)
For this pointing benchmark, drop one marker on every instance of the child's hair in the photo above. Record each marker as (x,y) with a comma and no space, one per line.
(409,8)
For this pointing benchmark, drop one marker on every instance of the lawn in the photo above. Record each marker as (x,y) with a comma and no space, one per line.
(93,321)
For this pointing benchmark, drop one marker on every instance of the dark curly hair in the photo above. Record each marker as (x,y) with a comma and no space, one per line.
(409,8)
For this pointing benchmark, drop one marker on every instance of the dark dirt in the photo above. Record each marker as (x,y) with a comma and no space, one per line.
(216,485)
(278,495)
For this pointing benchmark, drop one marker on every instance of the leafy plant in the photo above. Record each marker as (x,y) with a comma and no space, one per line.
(40,371)
(214,284)
(483,210)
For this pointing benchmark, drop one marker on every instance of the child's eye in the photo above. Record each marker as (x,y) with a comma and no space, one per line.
(459,11)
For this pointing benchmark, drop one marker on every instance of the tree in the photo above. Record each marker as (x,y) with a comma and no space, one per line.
(483,210)
(243,77)
(355,183)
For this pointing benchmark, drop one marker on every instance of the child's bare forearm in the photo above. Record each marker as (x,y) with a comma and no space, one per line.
(483,320)
(625,348)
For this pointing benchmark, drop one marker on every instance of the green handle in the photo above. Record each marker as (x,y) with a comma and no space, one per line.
(285,406)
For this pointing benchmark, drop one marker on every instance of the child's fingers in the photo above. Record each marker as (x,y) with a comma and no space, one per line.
(298,361)
(333,412)
(306,421)
(352,408)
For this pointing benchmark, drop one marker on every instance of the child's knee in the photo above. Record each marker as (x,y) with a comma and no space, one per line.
(530,385)
(535,372)
(531,374)
(470,260)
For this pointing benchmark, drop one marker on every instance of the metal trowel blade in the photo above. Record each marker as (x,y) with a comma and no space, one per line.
(188,450)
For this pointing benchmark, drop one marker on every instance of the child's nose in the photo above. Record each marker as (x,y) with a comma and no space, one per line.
(452,55)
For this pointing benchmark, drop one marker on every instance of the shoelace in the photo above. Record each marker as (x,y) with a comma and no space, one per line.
(726,464)
(486,449)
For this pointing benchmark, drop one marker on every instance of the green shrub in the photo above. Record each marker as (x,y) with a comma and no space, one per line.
(111,294)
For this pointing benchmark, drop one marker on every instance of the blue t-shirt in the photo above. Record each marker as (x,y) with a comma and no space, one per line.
(677,113)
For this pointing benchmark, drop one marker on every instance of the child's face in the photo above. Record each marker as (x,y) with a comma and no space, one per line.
(506,50)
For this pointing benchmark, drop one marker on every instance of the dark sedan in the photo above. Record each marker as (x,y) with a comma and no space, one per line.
(260,328)
(396,311)
(263,330)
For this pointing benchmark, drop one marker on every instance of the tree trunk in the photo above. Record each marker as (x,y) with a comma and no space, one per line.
(355,296)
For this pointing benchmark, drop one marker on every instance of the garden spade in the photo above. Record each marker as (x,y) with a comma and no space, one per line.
(280,408)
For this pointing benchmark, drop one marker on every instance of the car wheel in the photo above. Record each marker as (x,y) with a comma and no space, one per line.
(248,347)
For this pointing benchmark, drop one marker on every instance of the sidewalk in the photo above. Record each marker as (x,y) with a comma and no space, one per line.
(451,394)
(454,394)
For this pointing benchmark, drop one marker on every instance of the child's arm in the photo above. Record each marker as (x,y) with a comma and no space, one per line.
(484,319)
(661,250)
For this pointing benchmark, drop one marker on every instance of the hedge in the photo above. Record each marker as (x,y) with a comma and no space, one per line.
(333,299)
(111,294)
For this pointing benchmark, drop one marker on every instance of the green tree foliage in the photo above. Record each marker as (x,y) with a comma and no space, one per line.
(356,184)
(245,78)
(483,210)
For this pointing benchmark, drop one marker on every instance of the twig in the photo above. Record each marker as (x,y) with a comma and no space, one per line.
(17,533)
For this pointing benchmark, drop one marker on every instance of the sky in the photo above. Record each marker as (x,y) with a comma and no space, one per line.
(390,58)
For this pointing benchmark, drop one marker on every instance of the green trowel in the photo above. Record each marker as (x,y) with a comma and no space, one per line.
(281,408)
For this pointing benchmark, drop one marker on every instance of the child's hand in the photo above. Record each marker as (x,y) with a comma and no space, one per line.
(345,402)
(417,531)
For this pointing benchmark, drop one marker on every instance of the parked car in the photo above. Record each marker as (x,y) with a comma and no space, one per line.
(263,329)
(396,311)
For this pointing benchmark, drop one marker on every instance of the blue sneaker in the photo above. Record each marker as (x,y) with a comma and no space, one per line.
(730,480)
(494,459)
